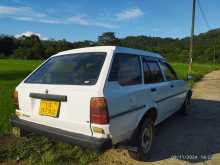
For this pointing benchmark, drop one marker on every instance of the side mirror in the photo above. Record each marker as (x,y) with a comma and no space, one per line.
(189,77)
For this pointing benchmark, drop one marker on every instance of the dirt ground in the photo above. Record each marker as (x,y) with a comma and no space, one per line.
(180,140)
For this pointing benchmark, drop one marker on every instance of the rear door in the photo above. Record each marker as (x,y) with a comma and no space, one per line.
(58,94)
(124,94)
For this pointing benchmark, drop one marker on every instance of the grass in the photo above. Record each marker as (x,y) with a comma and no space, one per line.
(11,73)
(35,149)
(39,150)
(199,70)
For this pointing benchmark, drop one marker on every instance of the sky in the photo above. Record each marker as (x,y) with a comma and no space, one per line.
(77,20)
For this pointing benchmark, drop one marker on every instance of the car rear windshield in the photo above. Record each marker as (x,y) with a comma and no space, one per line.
(74,69)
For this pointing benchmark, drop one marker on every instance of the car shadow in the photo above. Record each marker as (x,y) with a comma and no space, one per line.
(193,138)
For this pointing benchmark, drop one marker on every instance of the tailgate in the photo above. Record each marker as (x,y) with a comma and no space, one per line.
(71,103)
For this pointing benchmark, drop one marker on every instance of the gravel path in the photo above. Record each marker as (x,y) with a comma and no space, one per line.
(180,140)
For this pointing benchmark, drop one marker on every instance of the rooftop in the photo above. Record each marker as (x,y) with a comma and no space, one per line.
(111,48)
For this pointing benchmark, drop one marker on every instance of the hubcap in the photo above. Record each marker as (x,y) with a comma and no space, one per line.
(146,139)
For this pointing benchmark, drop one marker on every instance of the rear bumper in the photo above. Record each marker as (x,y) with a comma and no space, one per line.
(83,141)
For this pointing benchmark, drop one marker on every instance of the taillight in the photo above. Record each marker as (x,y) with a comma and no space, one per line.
(99,111)
(15,99)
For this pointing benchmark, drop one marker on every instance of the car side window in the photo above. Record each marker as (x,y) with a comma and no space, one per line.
(156,74)
(168,71)
(126,70)
(147,72)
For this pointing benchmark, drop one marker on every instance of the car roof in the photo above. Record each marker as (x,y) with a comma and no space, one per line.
(117,49)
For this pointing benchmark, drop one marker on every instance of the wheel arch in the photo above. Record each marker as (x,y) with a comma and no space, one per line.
(151,113)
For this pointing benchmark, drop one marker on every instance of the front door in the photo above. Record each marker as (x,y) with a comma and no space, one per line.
(123,92)
(175,86)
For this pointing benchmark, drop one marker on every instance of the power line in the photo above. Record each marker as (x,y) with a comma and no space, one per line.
(203,15)
(209,27)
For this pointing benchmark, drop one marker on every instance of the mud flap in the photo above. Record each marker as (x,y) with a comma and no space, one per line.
(16,131)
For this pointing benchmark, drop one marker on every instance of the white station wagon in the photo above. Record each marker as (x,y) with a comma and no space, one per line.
(98,97)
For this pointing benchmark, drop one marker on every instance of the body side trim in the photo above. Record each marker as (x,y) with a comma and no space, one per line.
(163,99)
(128,111)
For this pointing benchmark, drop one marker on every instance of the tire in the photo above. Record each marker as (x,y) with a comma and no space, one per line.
(145,139)
(186,108)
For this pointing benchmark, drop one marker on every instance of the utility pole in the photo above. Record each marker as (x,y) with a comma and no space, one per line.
(214,53)
(192,37)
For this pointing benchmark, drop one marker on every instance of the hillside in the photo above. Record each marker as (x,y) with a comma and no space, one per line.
(174,49)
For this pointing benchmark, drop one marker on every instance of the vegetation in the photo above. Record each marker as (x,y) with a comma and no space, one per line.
(37,149)
(34,149)
(174,49)
(40,150)
(199,70)
(11,73)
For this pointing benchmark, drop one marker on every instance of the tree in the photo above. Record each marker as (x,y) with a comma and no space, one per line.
(7,45)
(176,50)
(82,44)
(37,51)
(22,53)
(107,38)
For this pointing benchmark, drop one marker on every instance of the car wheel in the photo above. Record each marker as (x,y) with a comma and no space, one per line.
(145,139)
(186,109)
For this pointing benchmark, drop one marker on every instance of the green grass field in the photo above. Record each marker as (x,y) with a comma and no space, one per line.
(11,73)
(36,149)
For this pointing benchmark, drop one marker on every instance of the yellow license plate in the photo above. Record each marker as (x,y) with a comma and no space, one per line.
(49,108)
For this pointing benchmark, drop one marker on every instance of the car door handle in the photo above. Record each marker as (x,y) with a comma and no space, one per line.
(172,86)
(153,89)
